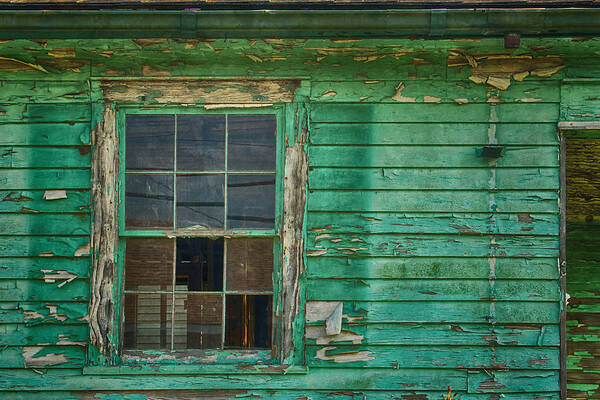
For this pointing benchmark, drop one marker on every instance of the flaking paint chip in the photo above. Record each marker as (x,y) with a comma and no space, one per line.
(55,194)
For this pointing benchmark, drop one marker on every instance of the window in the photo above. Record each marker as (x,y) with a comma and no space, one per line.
(199,229)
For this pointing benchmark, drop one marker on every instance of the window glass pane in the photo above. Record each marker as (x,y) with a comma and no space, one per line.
(146,320)
(200,142)
(251,201)
(149,142)
(148,201)
(251,144)
(198,321)
(149,264)
(248,321)
(250,264)
(200,201)
(199,264)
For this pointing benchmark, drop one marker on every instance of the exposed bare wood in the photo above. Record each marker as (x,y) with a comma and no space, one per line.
(105,164)
(294,200)
(231,92)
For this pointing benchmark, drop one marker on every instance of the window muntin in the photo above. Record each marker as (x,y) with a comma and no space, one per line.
(205,227)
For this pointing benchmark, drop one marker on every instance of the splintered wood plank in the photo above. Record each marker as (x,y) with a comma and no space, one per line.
(431,290)
(31,246)
(512,381)
(44,91)
(45,224)
(25,335)
(42,357)
(434,201)
(424,268)
(432,245)
(50,289)
(36,313)
(458,179)
(40,201)
(318,379)
(45,134)
(429,156)
(469,224)
(433,92)
(503,312)
(436,334)
(45,157)
(434,133)
(408,112)
(29,179)
(56,269)
(514,358)
(45,113)
(273,394)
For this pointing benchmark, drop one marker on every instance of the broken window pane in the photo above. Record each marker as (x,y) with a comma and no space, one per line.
(148,201)
(250,264)
(200,201)
(251,142)
(199,264)
(251,201)
(150,142)
(198,321)
(201,142)
(146,320)
(248,321)
(149,264)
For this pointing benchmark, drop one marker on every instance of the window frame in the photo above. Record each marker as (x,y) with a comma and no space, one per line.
(110,94)
(262,356)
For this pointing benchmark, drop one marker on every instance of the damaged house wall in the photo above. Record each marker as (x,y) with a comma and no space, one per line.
(427,263)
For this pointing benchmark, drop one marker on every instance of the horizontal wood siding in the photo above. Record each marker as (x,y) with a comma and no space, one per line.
(445,262)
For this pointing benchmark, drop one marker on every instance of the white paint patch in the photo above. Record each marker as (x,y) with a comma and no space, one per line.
(55,194)
(351,356)
(32,360)
(51,276)
(320,335)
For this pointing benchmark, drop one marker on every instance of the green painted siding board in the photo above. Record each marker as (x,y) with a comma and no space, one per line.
(429,156)
(36,313)
(470,224)
(433,201)
(580,101)
(44,290)
(46,134)
(430,290)
(267,394)
(32,201)
(437,334)
(434,357)
(45,224)
(40,157)
(317,379)
(42,357)
(455,178)
(24,335)
(512,381)
(38,267)
(433,92)
(27,179)
(45,113)
(424,268)
(508,312)
(31,246)
(44,91)
(407,112)
(433,133)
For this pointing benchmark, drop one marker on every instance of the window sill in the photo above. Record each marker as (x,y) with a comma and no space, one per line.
(206,369)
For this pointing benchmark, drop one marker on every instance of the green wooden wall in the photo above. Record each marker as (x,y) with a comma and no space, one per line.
(446,262)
